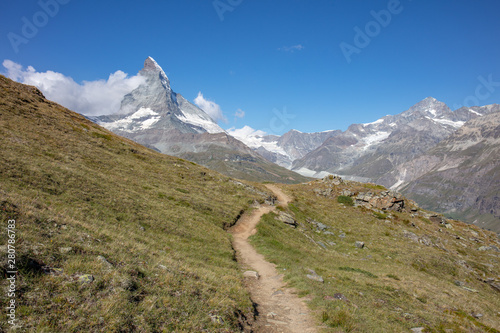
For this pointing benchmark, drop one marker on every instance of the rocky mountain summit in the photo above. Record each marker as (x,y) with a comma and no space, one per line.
(153,105)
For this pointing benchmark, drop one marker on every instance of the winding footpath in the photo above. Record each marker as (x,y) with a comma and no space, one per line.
(279,308)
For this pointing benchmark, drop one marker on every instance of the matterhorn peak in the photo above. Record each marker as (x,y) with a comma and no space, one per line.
(151,65)
(153,70)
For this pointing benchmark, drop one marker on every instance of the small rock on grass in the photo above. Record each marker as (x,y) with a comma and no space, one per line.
(85,278)
(359,244)
(216,319)
(251,274)
(65,249)
(105,261)
(418,329)
(314,276)
(340,296)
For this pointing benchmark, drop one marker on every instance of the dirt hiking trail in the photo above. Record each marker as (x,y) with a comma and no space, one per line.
(279,308)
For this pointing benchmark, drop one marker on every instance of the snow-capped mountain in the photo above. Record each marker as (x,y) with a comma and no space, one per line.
(461,175)
(282,150)
(153,105)
(161,119)
(368,151)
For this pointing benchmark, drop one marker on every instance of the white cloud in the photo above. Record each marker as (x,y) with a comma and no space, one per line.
(245,132)
(90,98)
(239,113)
(293,48)
(210,107)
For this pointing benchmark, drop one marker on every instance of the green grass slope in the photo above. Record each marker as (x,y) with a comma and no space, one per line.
(437,278)
(148,227)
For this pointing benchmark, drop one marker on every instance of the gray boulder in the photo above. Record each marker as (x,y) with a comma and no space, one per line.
(287,219)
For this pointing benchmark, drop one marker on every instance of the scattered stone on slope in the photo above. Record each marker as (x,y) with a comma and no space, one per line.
(359,244)
(320,227)
(105,262)
(437,219)
(323,192)
(332,180)
(341,297)
(314,276)
(417,329)
(476,315)
(495,286)
(347,193)
(85,278)
(426,240)
(251,274)
(489,248)
(386,200)
(410,235)
(321,244)
(64,250)
(287,219)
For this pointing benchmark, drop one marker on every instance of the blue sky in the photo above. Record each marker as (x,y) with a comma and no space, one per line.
(265,57)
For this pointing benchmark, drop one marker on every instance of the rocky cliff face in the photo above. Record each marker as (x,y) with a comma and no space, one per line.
(461,175)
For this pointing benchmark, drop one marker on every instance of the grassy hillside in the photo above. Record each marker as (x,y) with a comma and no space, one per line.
(114,237)
(412,271)
(149,228)
(248,167)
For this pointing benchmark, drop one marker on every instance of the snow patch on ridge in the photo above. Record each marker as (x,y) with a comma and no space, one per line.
(311,173)
(254,139)
(375,138)
(479,114)
(198,120)
(142,119)
(400,181)
(379,121)
(432,111)
(456,124)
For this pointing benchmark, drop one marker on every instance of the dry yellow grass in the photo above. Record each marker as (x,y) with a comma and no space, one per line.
(78,192)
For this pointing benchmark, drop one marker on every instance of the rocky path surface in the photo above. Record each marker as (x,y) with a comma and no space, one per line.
(279,308)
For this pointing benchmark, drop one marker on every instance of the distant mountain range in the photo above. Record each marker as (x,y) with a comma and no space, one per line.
(404,151)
